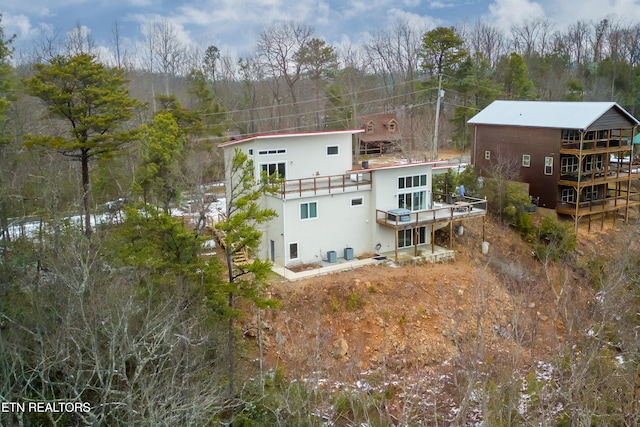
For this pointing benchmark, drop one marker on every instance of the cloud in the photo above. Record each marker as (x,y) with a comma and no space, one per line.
(20,25)
(439,5)
(506,13)
(414,20)
(568,12)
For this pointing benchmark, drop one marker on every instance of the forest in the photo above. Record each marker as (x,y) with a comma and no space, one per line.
(108,297)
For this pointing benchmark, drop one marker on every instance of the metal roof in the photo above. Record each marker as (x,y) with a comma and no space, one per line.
(562,115)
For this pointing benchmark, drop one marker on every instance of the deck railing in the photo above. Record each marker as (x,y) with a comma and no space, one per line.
(440,212)
(330,184)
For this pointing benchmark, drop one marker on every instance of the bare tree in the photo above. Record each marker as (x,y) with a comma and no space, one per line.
(120,53)
(486,39)
(531,37)
(393,55)
(277,49)
(578,41)
(79,41)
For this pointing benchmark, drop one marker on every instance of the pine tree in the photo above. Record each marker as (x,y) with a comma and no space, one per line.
(95,105)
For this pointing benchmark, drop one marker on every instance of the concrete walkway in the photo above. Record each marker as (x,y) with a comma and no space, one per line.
(404,256)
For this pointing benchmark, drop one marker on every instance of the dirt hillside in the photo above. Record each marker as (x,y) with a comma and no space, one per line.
(413,316)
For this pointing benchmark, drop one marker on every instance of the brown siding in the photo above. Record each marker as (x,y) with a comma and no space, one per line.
(511,142)
(612,119)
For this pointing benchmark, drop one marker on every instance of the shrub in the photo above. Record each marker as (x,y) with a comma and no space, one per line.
(554,240)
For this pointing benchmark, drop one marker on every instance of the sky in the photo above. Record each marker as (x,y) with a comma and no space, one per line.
(234,25)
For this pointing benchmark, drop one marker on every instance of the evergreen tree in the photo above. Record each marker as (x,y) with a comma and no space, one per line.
(517,84)
(163,144)
(242,237)
(95,105)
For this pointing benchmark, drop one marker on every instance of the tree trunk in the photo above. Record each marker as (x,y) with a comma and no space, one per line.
(84,159)
(230,344)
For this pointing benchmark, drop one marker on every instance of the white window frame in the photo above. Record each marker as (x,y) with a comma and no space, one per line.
(487,155)
(548,165)
(308,204)
(593,162)
(337,153)
(569,164)
(568,195)
(297,244)
(526,160)
(591,193)
(356,205)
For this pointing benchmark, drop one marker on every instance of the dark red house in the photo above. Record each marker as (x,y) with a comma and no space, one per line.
(577,157)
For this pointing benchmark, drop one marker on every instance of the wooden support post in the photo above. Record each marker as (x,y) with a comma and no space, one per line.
(396,245)
(451,235)
(433,238)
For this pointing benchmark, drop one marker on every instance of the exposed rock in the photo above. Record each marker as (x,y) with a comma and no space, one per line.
(340,349)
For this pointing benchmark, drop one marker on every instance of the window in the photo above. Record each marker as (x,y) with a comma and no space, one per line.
(412,236)
(569,164)
(548,165)
(293,250)
(333,150)
(415,201)
(416,198)
(412,181)
(251,151)
(487,155)
(370,127)
(591,193)
(526,160)
(568,195)
(593,162)
(392,126)
(272,151)
(308,210)
(357,201)
(570,135)
(271,168)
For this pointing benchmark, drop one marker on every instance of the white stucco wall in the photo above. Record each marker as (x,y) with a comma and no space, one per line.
(306,154)
(385,195)
(338,225)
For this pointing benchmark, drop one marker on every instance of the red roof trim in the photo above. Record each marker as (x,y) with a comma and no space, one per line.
(287,135)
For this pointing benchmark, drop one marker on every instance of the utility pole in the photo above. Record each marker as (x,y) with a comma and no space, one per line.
(434,153)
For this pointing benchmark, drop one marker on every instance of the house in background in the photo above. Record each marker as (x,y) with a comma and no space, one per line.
(575,156)
(381,134)
(327,209)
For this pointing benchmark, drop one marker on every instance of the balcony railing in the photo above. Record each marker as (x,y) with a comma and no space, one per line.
(613,201)
(440,212)
(602,145)
(330,184)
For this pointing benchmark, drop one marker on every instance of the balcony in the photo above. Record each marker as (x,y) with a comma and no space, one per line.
(441,213)
(611,203)
(321,185)
(595,146)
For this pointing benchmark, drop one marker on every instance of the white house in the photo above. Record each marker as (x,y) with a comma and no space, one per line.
(328,210)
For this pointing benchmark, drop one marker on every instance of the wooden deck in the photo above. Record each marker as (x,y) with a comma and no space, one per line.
(440,214)
(293,188)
